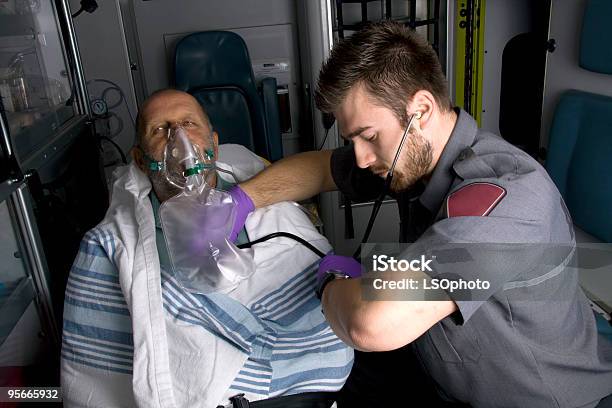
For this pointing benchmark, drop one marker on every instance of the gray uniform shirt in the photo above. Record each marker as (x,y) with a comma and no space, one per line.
(531,339)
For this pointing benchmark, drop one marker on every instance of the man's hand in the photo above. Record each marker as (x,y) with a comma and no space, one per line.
(244,206)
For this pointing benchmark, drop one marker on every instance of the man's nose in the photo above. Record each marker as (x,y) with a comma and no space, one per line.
(364,156)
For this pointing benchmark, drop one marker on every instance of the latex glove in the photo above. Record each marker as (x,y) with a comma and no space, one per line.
(244,206)
(344,264)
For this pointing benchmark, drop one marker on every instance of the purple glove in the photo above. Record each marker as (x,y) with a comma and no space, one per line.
(344,264)
(244,206)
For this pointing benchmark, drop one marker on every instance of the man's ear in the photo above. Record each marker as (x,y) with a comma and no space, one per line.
(138,157)
(216,144)
(424,103)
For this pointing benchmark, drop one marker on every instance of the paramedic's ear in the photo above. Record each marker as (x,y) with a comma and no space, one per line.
(423,103)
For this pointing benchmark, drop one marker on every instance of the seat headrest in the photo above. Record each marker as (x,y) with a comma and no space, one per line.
(579,159)
(595,40)
(202,60)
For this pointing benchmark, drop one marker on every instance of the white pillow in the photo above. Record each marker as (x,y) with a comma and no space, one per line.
(240,161)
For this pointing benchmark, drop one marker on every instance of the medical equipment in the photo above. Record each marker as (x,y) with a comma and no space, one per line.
(286,235)
(203,260)
(375,209)
(184,165)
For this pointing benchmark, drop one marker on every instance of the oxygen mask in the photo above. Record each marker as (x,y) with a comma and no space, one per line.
(184,165)
(203,259)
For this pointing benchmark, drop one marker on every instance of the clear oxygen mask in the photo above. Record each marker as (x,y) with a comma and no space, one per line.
(204,260)
(184,164)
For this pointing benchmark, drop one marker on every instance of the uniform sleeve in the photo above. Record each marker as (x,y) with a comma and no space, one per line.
(357,183)
(523,241)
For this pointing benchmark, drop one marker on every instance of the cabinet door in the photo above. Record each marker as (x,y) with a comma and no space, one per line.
(37,94)
(16,289)
(28,331)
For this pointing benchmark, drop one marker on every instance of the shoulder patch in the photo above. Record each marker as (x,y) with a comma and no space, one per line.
(475,199)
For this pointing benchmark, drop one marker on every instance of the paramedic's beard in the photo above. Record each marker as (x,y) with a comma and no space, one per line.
(414,162)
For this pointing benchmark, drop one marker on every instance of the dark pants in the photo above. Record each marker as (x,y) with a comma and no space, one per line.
(388,378)
(305,400)
(605,403)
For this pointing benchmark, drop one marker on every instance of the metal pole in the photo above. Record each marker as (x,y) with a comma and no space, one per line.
(469,55)
(412,17)
(75,57)
(36,260)
(364,11)
(340,19)
(436,34)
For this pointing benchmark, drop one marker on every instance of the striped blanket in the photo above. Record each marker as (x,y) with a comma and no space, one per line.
(134,338)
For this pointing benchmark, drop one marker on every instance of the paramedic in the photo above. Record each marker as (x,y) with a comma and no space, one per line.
(453,183)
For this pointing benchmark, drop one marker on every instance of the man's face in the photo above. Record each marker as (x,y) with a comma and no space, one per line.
(376,134)
(166,111)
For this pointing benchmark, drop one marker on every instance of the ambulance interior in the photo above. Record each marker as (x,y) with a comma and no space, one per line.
(73,73)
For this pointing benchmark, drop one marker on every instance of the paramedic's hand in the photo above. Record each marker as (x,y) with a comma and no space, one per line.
(244,206)
(341,264)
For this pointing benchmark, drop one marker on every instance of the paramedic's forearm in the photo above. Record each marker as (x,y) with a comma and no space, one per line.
(378,325)
(296,178)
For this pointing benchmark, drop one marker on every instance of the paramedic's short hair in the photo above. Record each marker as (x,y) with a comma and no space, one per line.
(139,121)
(392,62)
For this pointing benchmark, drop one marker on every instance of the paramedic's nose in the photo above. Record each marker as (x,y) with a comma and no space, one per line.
(364,156)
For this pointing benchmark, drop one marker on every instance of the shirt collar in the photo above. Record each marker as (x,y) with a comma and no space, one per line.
(462,136)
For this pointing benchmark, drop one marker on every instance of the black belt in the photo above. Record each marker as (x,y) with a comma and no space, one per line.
(306,400)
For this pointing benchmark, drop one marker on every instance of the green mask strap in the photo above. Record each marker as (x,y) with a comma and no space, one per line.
(153,165)
(210,154)
(197,169)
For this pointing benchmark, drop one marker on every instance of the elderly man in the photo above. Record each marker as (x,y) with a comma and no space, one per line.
(133,335)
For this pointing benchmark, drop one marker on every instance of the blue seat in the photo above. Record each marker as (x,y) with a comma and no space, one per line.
(580,159)
(603,326)
(215,67)
(595,45)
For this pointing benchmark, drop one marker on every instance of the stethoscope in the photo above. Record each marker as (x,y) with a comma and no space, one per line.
(386,187)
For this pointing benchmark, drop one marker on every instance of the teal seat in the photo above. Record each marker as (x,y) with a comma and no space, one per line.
(579,159)
(596,37)
(215,67)
(603,326)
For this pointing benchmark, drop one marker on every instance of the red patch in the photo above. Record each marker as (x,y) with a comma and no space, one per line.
(476,199)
